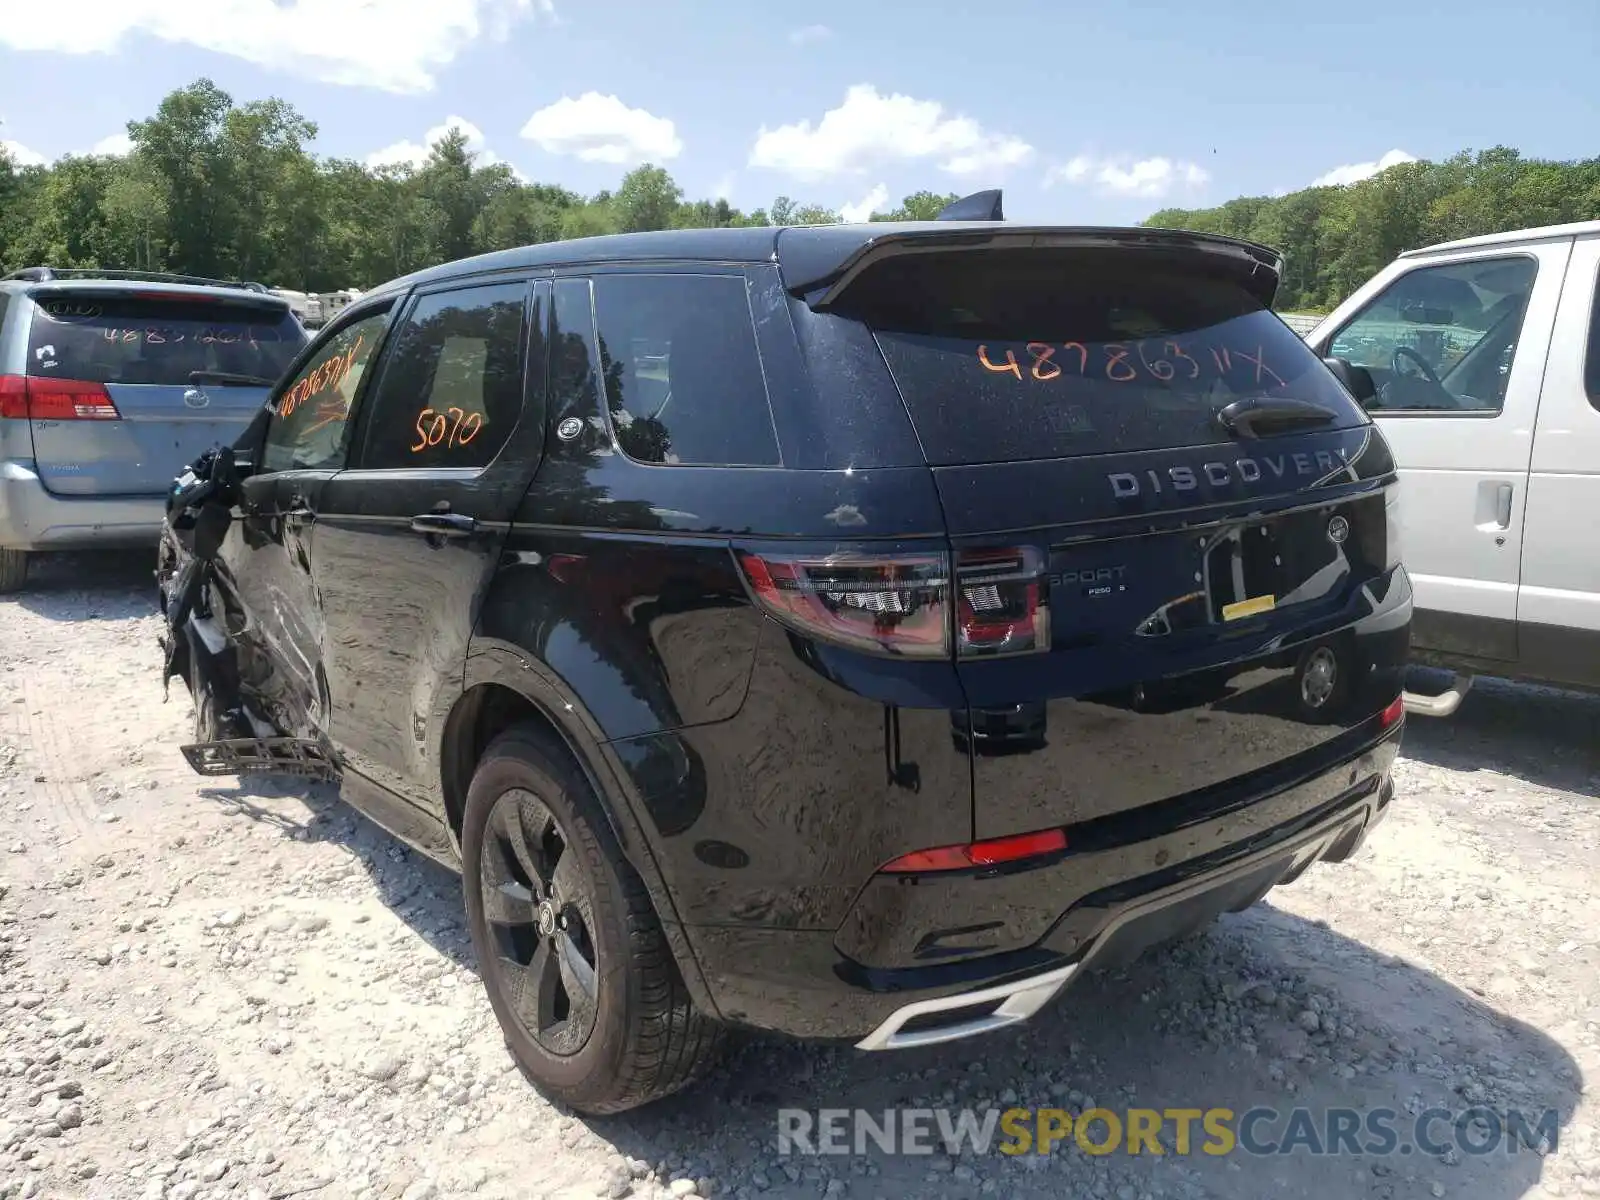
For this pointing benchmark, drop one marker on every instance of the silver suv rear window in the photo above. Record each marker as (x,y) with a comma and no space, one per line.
(129,339)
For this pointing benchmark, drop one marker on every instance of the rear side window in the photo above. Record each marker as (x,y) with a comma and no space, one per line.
(120,339)
(683,376)
(451,389)
(310,424)
(1011,355)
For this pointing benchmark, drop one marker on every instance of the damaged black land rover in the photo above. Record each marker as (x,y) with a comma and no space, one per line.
(855,632)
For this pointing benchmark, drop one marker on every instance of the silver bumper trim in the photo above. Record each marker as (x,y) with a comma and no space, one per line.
(1013,1003)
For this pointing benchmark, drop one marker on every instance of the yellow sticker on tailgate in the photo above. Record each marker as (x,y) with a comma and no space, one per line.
(1248,608)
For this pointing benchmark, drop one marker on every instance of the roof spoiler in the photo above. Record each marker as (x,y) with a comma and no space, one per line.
(820,264)
(980,206)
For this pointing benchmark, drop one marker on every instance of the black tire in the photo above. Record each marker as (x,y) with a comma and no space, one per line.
(209,723)
(13,570)
(645,1038)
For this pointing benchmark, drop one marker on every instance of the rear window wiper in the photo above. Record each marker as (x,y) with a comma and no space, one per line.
(1255,415)
(230,379)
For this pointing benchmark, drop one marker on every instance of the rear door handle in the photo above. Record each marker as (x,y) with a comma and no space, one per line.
(444,524)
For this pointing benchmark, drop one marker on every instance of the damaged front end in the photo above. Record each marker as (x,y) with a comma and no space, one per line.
(196,647)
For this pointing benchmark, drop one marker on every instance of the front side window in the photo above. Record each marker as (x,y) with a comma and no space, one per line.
(310,423)
(1442,339)
(682,373)
(451,390)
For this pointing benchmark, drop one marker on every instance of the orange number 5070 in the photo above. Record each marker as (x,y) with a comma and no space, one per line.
(455,429)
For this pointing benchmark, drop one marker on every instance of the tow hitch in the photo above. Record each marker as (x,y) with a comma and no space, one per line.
(1424,704)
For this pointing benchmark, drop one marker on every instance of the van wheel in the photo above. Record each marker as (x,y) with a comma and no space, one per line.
(13,570)
(577,968)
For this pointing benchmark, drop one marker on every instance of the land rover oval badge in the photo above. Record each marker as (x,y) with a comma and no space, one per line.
(569,428)
(1338,530)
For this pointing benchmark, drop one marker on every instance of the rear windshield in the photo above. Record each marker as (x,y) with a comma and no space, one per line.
(1010,355)
(129,339)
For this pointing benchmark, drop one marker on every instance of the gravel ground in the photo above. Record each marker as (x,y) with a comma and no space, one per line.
(215,991)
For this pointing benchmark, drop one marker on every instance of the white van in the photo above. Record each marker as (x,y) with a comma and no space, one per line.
(1480,360)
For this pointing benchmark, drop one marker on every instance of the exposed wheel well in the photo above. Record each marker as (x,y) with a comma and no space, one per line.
(479,717)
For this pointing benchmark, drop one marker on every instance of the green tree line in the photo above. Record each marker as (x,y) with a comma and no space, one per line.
(1335,238)
(230,190)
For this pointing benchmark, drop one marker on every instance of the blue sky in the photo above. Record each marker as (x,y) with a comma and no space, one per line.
(1083,113)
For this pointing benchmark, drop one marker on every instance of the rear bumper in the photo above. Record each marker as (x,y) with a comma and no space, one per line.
(31,518)
(1104,906)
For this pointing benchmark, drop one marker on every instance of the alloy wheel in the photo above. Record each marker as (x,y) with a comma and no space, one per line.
(539,913)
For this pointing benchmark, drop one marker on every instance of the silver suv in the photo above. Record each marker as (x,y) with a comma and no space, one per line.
(109,383)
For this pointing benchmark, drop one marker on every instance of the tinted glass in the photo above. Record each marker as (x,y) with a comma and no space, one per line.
(683,377)
(1004,356)
(310,425)
(128,340)
(1442,339)
(451,389)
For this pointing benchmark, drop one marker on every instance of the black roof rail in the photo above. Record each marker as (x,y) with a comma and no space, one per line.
(980,206)
(46,274)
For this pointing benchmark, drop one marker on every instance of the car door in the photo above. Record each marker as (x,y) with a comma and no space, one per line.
(1456,346)
(1558,605)
(409,536)
(273,612)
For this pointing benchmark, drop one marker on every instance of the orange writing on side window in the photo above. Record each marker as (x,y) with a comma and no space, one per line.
(329,373)
(455,427)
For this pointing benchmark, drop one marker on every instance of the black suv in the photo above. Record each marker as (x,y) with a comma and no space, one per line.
(851,631)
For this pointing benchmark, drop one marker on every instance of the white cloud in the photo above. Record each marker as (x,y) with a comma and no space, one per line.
(395,46)
(603,129)
(21,156)
(1149,178)
(118,145)
(870,203)
(1356,172)
(415,154)
(723,188)
(807,34)
(870,129)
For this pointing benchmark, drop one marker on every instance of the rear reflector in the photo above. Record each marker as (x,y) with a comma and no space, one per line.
(55,399)
(1391,715)
(991,853)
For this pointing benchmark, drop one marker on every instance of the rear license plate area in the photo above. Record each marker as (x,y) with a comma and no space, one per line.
(1258,567)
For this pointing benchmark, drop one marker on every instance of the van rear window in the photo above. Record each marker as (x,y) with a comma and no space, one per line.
(129,339)
(1010,355)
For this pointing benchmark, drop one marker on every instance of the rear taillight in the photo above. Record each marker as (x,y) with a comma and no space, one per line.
(992,853)
(55,399)
(907,605)
(14,397)
(1000,603)
(894,604)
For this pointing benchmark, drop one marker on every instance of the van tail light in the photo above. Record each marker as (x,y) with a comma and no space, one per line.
(992,853)
(1000,603)
(890,604)
(55,399)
